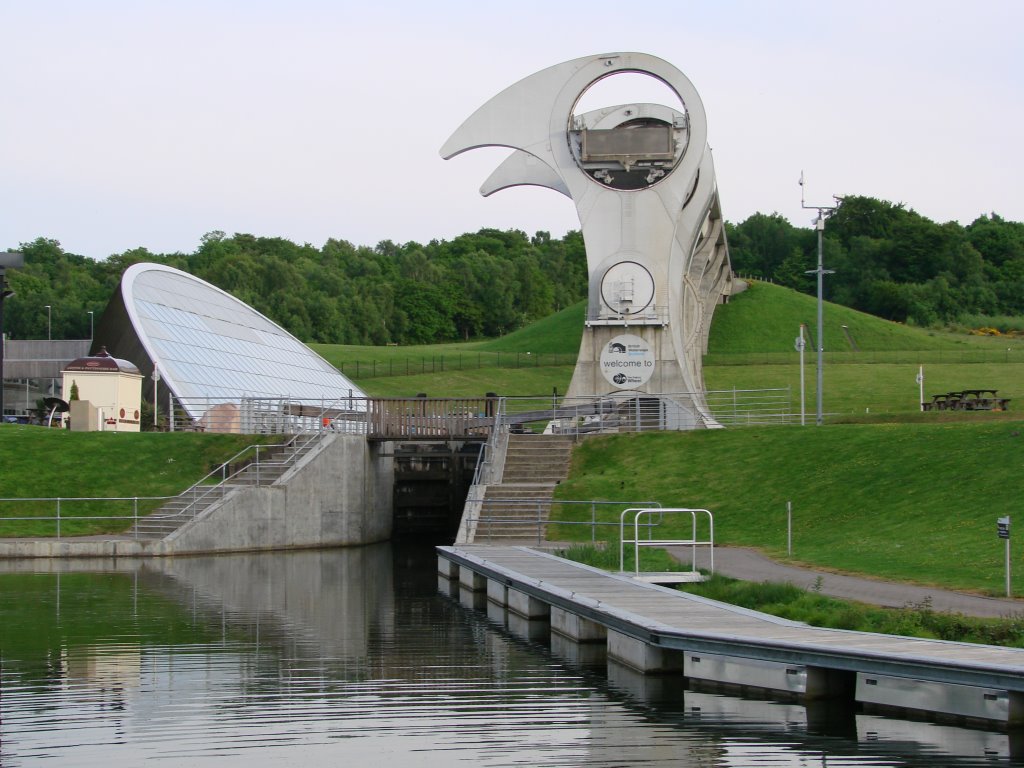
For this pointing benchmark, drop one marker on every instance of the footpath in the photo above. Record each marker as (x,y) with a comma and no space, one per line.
(749,565)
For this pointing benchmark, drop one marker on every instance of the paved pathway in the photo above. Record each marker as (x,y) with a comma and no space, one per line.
(749,565)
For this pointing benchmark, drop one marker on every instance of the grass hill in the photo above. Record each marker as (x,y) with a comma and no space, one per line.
(750,347)
(47,463)
(765,318)
(913,502)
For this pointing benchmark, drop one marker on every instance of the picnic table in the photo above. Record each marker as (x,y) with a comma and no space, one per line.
(968,400)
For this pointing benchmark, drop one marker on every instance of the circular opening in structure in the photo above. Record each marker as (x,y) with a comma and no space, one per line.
(627,88)
(628,130)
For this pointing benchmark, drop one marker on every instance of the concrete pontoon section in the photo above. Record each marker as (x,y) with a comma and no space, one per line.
(688,640)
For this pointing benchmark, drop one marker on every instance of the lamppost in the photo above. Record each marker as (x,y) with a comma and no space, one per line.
(91,333)
(48,338)
(819,224)
(7,261)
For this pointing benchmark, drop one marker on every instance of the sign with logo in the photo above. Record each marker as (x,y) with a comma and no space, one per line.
(1003,527)
(627,362)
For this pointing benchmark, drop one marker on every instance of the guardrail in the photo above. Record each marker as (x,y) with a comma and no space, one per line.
(1005,355)
(252,459)
(483,473)
(409,365)
(693,542)
(61,519)
(413,418)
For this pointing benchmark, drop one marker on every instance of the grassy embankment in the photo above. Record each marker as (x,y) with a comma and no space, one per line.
(862,494)
(896,493)
(903,494)
(49,463)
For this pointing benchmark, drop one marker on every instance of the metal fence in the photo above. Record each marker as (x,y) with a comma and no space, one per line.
(409,365)
(414,418)
(1004,355)
(73,515)
(256,464)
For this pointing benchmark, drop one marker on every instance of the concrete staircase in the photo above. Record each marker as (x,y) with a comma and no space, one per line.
(273,462)
(518,507)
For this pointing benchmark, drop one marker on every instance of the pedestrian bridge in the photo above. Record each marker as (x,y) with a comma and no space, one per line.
(654,630)
(476,418)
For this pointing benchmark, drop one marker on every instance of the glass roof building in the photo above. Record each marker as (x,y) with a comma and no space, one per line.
(210,348)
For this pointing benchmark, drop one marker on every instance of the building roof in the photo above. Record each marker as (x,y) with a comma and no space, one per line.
(210,347)
(102,362)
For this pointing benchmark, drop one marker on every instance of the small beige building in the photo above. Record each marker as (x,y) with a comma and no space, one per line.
(109,393)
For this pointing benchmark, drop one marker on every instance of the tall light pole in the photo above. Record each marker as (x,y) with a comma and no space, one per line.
(91,332)
(819,224)
(48,337)
(7,261)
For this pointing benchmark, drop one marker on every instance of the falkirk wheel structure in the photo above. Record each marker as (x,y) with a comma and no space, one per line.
(643,182)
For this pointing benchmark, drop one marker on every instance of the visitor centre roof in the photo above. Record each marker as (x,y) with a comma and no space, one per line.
(209,346)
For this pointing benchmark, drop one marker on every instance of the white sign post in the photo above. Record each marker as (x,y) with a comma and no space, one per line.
(920,385)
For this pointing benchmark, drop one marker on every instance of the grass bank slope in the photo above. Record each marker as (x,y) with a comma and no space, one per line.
(47,463)
(911,502)
(766,318)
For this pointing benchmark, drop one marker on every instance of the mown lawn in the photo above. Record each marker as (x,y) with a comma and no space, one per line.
(907,501)
(48,463)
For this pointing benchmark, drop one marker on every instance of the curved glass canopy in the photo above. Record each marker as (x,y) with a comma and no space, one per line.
(211,348)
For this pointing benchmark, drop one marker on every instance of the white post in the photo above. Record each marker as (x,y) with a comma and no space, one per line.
(920,385)
(1007,555)
(156,403)
(1008,567)
(789,528)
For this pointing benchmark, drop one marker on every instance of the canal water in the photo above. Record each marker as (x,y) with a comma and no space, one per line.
(362,657)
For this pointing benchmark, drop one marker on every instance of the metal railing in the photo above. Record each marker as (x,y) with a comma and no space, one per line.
(475,418)
(653,314)
(60,518)
(1001,354)
(656,412)
(486,463)
(267,415)
(693,542)
(490,524)
(413,365)
(752,407)
(260,462)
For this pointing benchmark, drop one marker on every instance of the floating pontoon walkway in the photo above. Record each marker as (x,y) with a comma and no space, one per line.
(653,629)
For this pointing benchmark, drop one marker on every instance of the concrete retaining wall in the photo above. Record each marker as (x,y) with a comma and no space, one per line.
(340,496)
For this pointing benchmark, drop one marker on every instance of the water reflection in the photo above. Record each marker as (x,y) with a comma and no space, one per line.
(362,656)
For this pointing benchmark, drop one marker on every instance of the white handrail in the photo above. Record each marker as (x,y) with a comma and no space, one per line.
(693,542)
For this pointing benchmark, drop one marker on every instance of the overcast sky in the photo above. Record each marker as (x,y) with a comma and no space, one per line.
(126,123)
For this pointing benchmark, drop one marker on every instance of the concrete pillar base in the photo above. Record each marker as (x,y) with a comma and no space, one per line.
(642,656)
(526,606)
(577,628)
(497,592)
(472,580)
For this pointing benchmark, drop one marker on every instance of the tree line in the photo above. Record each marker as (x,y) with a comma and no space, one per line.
(891,262)
(477,285)
(887,259)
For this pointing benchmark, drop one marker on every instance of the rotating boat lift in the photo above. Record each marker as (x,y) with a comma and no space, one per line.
(643,181)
